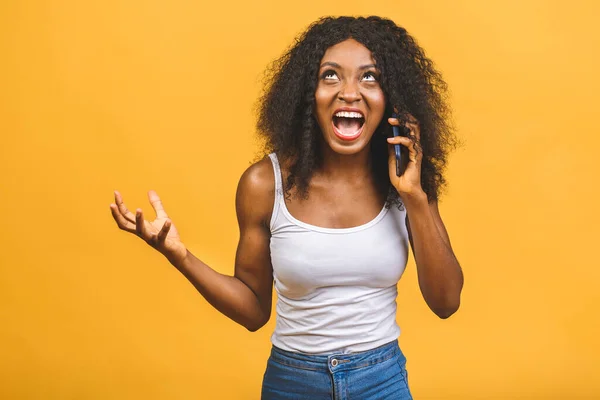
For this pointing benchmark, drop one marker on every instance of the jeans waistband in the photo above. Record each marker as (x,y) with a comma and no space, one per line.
(338,362)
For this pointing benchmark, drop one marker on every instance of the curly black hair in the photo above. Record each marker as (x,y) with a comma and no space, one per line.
(409,80)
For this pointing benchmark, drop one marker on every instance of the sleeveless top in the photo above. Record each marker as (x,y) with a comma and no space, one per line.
(336,288)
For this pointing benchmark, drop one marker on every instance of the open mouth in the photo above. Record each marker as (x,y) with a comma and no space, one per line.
(348,125)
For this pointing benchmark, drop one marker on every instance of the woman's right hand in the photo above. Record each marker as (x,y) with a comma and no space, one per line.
(161,234)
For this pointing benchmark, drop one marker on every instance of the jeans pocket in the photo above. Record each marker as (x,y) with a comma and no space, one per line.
(284,382)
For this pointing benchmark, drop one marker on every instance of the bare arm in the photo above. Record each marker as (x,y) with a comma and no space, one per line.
(244,297)
(439,273)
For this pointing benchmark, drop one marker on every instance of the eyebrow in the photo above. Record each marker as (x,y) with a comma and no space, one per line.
(336,65)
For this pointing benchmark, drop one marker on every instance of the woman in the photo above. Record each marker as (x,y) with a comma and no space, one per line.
(327,219)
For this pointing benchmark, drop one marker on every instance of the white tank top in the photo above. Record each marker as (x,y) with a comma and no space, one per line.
(336,288)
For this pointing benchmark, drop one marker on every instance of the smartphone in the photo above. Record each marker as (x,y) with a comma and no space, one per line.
(399,131)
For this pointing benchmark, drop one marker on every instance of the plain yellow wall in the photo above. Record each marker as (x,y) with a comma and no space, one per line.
(138,95)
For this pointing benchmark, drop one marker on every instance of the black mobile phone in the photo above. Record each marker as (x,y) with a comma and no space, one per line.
(401,130)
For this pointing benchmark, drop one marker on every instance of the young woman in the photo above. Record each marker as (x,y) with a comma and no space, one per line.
(325,217)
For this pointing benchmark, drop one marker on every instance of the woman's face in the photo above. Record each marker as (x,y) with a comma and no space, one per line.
(349,101)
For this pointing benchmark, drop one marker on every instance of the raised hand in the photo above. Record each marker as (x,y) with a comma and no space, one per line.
(161,234)
(409,183)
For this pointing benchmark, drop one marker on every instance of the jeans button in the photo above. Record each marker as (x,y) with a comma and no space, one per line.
(334,362)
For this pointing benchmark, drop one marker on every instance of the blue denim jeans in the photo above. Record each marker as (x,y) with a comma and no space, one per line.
(374,374)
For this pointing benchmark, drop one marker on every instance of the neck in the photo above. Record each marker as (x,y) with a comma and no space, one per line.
(351,167)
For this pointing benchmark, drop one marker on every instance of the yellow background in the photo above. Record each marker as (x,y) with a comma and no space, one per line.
(138,95)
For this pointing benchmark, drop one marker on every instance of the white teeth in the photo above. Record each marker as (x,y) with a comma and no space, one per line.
(348,114)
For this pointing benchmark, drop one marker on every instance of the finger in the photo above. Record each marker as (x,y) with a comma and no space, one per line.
(162,235)
(391,154)
(413,128)
(392,161)
(403,140)
(120,219)
(140,227)
(157,204)
(414,149)
(128,215)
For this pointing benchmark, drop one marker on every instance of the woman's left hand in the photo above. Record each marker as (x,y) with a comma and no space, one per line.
(409,183)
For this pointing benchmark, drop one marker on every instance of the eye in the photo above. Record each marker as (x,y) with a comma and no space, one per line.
(329,75)
(370,76)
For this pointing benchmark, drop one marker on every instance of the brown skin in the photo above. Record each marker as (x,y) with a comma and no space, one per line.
(343,193)
(439,273)
(244,297)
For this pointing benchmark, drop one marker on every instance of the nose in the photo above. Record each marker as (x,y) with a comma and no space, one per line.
(349,92)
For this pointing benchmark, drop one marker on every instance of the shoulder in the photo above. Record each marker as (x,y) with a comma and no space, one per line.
(256,192)
(258,180)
